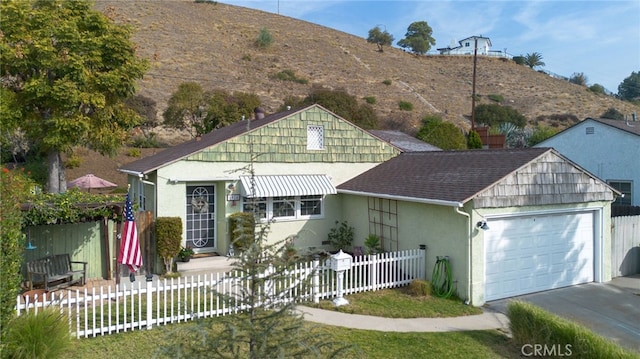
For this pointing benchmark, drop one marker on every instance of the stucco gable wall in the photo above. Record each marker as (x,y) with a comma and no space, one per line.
(549,180)
(609,153)
(285,141)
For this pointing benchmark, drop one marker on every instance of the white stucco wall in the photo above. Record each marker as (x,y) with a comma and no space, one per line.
(609,153)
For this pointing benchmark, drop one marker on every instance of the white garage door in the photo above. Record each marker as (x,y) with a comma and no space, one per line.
(527,254)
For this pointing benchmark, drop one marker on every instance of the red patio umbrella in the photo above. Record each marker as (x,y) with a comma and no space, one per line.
(90,181)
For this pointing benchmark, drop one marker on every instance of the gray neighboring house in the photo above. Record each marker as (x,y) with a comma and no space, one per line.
(610,149)
(403,141)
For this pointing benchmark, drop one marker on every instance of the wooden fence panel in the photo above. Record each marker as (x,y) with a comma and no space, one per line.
(625,246)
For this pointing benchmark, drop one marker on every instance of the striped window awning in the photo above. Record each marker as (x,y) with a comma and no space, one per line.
(285,186)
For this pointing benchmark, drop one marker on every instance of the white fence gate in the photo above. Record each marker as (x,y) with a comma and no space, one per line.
(107,310)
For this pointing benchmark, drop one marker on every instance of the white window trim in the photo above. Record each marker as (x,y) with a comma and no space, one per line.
(296,217)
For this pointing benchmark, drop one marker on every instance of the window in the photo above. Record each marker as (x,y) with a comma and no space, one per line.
(624,187)
(315,137)
(290,207)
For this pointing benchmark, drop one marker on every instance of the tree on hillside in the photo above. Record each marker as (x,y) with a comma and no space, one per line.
(66,70)
(629,88)
(441,134)
(612,114)
(579,78)
(493,115)
(533,59)
(597,89)
(339,102)
(380,38)
(197,111)
(418,38)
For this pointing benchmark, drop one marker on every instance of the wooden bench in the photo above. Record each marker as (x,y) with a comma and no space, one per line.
(55,272)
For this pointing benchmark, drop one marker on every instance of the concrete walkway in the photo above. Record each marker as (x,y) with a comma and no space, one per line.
(484,321)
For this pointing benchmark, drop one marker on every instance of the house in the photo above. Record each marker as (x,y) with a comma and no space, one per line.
(289,162)
(610,149)
(403,141)
(511,221)
(467,46)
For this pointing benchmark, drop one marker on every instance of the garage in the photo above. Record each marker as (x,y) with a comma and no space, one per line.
(532,253)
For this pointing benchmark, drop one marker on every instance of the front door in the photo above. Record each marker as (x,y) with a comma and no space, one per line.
(201,234)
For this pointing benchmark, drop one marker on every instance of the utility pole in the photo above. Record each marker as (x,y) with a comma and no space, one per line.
(473,93)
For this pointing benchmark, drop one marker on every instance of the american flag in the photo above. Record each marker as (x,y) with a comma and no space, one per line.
(130,246)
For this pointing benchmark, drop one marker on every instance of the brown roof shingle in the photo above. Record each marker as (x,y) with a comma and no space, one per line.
(448,176)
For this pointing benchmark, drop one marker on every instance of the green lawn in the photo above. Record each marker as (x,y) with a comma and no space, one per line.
(366,343)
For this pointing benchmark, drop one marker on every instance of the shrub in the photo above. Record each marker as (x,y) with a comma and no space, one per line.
(613,114)
(530,324)
(496,98)
(441,134)
(289,75)
(494,114)
(246,57)
(149,141)
(539,134)
(264,39)
(473,140)
(372,243)
(405,106)
(242,230)
(519,60)
(41,334)
(597,89)
(419,288)
(73,161)
(371,100)
(15,188)
(387,82)
(134,152)
(168,232)
(341,236)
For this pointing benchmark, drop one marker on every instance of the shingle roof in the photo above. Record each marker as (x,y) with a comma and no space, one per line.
(403,141)
(628,126)
(441,176)
(178,152)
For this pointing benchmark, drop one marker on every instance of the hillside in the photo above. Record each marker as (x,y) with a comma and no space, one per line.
(213,44)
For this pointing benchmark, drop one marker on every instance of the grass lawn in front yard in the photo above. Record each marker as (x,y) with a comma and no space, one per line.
(394,303)
(397,303)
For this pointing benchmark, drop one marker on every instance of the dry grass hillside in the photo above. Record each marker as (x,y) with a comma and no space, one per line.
(213,44)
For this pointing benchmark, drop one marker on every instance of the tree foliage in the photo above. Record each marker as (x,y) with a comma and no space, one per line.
(493,115)
(473,140)
(168,232)
(14,190)
(579,78)
(629,88)
(197,111)
(66,70)
(441,134)
(613,114)
(533,59)
(539,134)
(380,38)
(418,38)
(339,102)
(597,89)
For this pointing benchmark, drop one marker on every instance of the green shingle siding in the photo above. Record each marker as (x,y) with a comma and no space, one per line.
(286,141)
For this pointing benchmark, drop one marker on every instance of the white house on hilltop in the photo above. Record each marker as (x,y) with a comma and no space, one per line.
(467,46)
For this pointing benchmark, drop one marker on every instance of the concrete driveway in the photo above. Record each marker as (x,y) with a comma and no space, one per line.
(610,309)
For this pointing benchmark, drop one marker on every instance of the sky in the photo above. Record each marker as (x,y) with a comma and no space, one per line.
(600,39)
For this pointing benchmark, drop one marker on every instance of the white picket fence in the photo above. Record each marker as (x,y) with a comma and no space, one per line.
(121,308)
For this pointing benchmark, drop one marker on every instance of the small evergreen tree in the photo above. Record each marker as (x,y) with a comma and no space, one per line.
(473,140)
